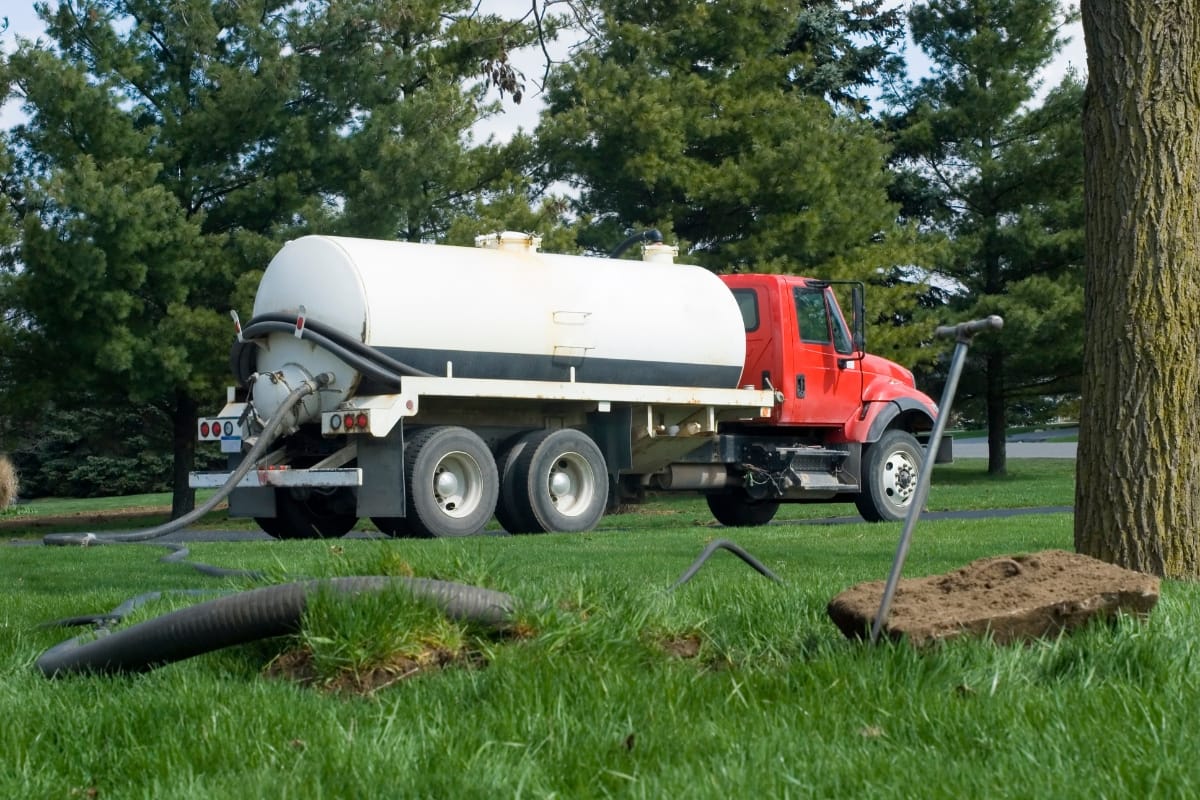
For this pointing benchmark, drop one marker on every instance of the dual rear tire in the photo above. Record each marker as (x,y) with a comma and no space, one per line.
(552,481)
(452,483)
(544,481)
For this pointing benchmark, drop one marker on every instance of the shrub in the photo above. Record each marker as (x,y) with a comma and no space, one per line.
(8,482)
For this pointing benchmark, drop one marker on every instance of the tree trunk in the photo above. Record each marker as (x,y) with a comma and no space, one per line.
(1137,496)
(183,425)
(997,424)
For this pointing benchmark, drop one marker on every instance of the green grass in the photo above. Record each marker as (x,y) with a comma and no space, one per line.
(963,485)
(589,700)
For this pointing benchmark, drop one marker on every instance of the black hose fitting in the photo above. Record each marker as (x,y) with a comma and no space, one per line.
(650,235)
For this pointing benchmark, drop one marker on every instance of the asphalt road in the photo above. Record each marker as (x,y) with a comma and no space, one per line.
(1022,445)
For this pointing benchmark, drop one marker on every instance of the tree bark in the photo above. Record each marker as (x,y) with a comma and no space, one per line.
(1137,501)
(183,426)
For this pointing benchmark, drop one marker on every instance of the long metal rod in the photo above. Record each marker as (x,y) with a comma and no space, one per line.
(962,333)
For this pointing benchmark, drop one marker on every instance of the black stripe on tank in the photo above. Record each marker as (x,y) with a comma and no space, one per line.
(520,366)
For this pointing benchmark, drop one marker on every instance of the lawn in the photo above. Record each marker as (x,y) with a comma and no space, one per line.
(965,484)
(610,685)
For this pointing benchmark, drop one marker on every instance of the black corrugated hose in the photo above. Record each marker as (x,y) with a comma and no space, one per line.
(260,613)
(247,617)
(236,619)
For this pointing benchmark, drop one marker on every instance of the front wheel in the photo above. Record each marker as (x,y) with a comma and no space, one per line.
(735,510)
(890,468)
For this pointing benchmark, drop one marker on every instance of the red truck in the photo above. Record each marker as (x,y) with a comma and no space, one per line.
(447,385)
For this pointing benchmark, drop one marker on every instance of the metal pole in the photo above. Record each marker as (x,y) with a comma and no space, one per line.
(962,332)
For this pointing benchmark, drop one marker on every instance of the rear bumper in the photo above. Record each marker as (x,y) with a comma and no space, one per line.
(281,477)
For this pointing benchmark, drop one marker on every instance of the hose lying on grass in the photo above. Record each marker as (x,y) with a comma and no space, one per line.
(250,616)
(723,544)
(269,612)
(260,613)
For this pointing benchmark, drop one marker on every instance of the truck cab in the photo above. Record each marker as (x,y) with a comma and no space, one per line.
(798,343)
(846,424)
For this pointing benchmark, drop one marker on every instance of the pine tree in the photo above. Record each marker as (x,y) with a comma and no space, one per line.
(981,163)
(732,127)
(170,147)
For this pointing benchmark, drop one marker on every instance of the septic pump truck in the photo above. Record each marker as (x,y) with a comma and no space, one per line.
(448,385)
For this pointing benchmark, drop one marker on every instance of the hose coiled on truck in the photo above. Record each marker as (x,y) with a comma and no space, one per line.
(369,361)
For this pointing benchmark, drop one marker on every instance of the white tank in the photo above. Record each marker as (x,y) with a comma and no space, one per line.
(500,311)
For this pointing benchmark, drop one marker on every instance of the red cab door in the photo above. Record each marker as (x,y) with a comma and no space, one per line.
(824,379)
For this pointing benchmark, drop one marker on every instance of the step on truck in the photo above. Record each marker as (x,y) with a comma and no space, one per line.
(449,385)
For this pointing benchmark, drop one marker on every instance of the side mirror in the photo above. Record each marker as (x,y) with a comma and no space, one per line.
(858,325)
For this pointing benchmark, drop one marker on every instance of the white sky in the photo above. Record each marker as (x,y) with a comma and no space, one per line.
(23,22)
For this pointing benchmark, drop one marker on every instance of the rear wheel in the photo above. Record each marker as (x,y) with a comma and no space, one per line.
(511,505)
(890,469)
(735,510)
(558,482)
(311,514)
(452,482)
(396,527)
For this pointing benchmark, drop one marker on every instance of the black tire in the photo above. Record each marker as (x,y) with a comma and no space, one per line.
(511,505)
(559,482)
(275,527)
(311,514)
(890,468)
(733,509)
(395,527)
(451,482)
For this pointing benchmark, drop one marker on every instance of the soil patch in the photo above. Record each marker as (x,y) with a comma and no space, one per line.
(298,666)
(1009,598)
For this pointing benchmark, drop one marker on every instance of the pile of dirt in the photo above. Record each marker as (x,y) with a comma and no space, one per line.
(1010,598)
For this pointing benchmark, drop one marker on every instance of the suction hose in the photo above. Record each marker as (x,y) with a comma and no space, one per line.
(250,616)
(240,618)
(256,452)
(362,357)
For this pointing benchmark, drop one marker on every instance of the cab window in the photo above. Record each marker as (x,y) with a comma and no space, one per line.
(811,316)
(819,323)
(747,300)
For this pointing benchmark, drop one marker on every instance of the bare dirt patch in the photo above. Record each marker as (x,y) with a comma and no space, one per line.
(685,646)
(298,666)
(1010,598)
